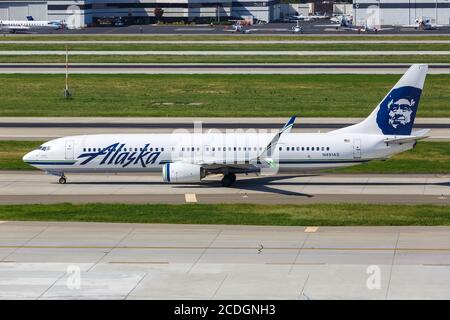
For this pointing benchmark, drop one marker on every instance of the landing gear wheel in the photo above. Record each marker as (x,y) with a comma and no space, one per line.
(62,180)
(228,180)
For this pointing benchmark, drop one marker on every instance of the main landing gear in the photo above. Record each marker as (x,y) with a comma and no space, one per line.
(228,180)
(62,180)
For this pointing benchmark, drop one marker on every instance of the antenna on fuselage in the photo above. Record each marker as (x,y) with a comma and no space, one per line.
(67,93)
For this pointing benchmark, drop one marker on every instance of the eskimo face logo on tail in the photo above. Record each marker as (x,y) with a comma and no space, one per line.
(398,110)
(117,154)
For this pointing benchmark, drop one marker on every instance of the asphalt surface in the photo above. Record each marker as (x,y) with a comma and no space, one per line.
(39,260)
(224,41)
(231,68)
(222,53)
(36,187)
(310,28)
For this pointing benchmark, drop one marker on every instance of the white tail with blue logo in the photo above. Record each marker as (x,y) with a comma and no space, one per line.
(395,114)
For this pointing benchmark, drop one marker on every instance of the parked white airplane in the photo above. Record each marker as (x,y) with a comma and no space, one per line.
(301,17)
(423,24)
(189,157)
(14,26)
(344,22)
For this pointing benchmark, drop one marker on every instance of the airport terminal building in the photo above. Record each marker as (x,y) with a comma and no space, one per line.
(402,12)
(86,12)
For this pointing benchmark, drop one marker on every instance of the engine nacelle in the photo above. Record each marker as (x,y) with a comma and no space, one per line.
(182,172)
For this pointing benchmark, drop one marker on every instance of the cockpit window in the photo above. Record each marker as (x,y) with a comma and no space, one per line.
(44,148)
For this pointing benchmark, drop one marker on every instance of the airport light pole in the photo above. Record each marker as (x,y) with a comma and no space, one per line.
(67,93)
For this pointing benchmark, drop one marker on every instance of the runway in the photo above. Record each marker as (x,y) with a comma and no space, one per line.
(224,41)
(53,260)
(212,68)
(36,187)
(46,128)
(221,53)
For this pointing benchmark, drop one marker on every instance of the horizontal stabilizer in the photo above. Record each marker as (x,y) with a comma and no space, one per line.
(417,135)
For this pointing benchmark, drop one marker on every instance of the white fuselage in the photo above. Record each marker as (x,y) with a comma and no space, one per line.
(295,152)
(29,25)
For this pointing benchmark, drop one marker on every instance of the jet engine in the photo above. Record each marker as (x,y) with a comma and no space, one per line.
(182,172)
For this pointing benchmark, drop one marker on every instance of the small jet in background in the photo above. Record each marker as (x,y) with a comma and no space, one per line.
(297,28)
(301,17)
(422,24)
(30,24)
(345,23)
(239,28)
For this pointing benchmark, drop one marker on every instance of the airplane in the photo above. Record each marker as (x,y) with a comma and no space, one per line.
(297,28)
(14,26)
(239,28)
(301,17)
(423,24)
(345,23)
(189,157)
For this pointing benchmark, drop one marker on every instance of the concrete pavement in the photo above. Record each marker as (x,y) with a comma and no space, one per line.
(54,260)
(36,187)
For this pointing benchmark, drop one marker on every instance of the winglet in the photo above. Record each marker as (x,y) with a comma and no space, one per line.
(267,152)
(288,126)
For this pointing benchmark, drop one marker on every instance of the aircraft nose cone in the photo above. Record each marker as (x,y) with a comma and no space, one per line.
(28,157)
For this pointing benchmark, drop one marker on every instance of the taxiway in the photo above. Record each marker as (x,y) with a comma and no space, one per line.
(36,187)
(53,260)
(213,68)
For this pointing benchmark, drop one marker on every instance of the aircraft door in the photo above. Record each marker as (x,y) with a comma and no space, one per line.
(69,154)
(357,148)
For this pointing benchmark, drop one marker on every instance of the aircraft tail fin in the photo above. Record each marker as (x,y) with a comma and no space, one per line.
(395,114)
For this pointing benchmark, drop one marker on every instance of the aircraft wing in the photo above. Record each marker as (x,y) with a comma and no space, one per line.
(410,26)
(253,165)
(416,135)
(331,25)
(16,27)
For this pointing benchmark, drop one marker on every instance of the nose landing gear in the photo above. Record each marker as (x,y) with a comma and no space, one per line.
(228,180)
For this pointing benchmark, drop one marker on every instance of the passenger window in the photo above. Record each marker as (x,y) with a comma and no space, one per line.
(287,148)
(89,149)
(328,148)
(239,149)
(307,148)
(298,148)
(280,148)
(84,149)
(323,148)
(182,149)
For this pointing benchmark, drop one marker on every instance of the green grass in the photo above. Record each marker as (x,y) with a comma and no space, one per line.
(210,95)
(232,47)
(241,214)
(426,157)
(407,59)
(11,153)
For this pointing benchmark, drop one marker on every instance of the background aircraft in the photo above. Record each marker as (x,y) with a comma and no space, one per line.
(344,22)
(29,25)
(422,24)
